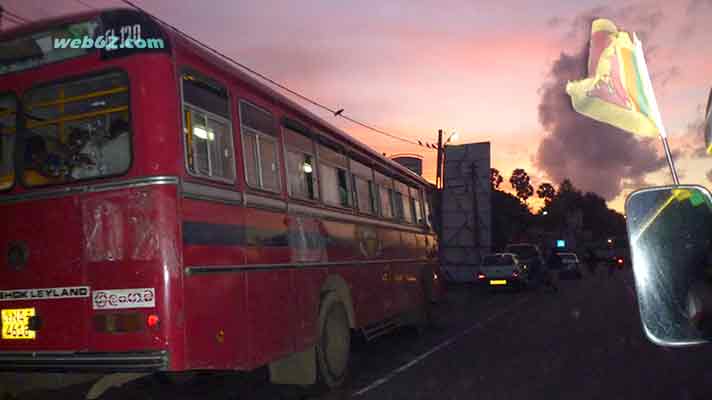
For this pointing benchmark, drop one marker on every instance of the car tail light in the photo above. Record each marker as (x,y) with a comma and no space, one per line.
(480,276)
(620,261)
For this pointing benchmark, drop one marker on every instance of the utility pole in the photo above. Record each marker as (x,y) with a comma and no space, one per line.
(439,190)
(439,173)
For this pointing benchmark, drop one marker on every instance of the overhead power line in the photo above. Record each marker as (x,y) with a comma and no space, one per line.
(12,20)
(336,113)
(85,4)
(13,15)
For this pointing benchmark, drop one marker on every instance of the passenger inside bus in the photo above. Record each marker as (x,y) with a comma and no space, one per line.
(41,166)
(100,153)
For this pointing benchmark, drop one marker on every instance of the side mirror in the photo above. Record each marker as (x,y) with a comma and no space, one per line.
(670,236)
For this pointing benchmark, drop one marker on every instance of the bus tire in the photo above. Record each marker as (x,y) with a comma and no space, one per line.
(334,344)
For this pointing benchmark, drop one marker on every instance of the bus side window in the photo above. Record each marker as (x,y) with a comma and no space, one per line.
(405,211)
(260,147)
(7,140)
(334,174)
(207,128)
(428,210)
(385,190)
(417,203)
(363,187)
(301,165)
(396,203)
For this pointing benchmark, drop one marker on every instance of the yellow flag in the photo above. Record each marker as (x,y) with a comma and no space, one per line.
(617,90)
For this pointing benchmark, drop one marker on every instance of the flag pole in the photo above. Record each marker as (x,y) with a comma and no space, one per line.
(648,88)
(671,163)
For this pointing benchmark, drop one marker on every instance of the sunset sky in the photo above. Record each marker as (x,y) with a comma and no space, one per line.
(490,70)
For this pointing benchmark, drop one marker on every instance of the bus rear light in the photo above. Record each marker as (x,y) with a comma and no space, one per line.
(119,323)
(152,321)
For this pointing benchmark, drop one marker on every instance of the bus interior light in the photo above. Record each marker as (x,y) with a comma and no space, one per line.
(201,133)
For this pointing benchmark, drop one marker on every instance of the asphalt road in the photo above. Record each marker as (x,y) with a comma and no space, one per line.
(584,342)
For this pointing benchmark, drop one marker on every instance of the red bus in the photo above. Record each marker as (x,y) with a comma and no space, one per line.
(164,211)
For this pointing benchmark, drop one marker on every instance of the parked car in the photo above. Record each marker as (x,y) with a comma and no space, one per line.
(570,266)
(503,270)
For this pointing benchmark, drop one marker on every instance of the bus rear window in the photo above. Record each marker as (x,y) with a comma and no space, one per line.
(39,48)
(8,118)
(77,130)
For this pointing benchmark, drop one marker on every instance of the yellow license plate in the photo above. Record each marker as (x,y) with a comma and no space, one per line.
(498,282)
(16,323)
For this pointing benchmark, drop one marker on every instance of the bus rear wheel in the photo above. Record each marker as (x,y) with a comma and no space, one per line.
(334,345)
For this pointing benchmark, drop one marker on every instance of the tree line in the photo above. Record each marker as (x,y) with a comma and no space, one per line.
(511,214)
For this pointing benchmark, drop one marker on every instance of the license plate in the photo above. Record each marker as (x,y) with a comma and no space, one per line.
(498,282)
(16,323)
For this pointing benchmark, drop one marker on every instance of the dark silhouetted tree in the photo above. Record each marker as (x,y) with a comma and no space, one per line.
(520,183)
(566,187)
(510,218)
(547,192)
(495,178)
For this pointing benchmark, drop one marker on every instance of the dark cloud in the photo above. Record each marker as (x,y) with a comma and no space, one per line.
(698,13)
(554,22)
(595,156)
(695,6)
(667,75)
(692,141)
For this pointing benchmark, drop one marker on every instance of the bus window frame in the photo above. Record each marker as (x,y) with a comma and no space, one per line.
(15,150)
(347,170)
(286,149)
(20,172)
(258,158)
(210,114)
(370,184)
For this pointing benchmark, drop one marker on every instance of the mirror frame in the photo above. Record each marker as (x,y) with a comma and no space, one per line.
(649,334)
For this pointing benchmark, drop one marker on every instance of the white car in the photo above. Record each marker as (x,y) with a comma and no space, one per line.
(571,266)
(503,270)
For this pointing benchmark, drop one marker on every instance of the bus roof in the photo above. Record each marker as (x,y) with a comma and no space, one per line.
(184,42)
